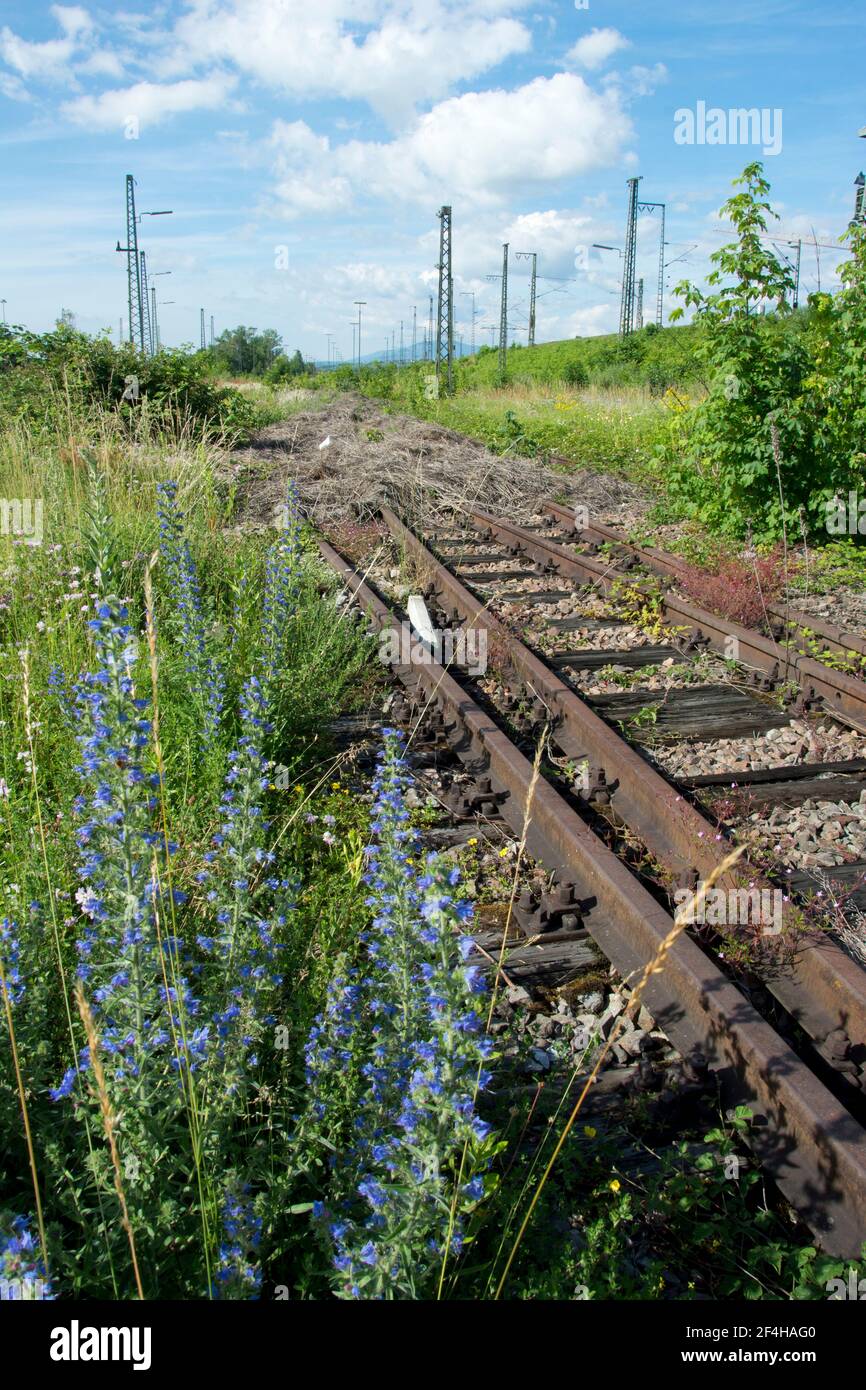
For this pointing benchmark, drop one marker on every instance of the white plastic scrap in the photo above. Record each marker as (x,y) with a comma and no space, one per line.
(420,619)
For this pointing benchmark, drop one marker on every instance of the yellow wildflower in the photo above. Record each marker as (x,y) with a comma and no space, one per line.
(615,1185)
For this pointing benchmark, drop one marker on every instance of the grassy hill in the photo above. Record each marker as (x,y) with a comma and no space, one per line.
(653,358)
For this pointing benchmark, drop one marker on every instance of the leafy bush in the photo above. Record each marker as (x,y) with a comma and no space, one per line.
(781,426)
(41,375)
(285,368)
(244,351)
(836,401)
(575,374)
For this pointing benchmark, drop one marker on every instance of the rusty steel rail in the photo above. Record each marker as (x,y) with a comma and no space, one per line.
(842,695)
(803,1136)
(671,567)
(822,988)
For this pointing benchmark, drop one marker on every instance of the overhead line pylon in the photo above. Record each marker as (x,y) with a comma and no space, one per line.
(445,310)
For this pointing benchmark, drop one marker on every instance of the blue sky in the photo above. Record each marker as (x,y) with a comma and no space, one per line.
(305,150)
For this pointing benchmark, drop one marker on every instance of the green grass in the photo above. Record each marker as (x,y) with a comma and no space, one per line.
(274,403)
(649,358)
(607,429)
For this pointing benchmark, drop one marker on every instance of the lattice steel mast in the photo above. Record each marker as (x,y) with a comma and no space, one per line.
(660,289)
(626,313)
(445,310)
(147,326)
(133,267)
(660,292)
(503,315)
(139,307)
(533,255)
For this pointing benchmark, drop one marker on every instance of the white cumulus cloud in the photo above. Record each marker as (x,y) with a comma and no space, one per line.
(388,53)
(73,19)
(596,47)
(148,102)
(482,146)
(58,60)
(38,61)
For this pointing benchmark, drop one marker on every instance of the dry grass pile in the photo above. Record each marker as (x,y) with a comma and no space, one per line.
(421,469)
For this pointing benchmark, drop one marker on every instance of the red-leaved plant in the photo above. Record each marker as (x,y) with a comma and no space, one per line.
(739,588)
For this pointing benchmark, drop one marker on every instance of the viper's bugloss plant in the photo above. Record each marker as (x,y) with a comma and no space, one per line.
(407,1023)
(129,974)
(11,981)
(23,1275)
(249,905)
(238,1272)
(188,618)
(142,1010)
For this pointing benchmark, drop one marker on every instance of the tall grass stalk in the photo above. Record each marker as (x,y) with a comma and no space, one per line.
(25,1113)
(109,1124)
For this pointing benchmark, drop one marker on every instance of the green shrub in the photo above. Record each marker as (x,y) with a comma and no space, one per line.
(575,374)
(781,426)
(285,368)
(43,375)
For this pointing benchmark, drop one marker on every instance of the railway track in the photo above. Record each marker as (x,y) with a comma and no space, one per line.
(790,1044)
(788,626)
